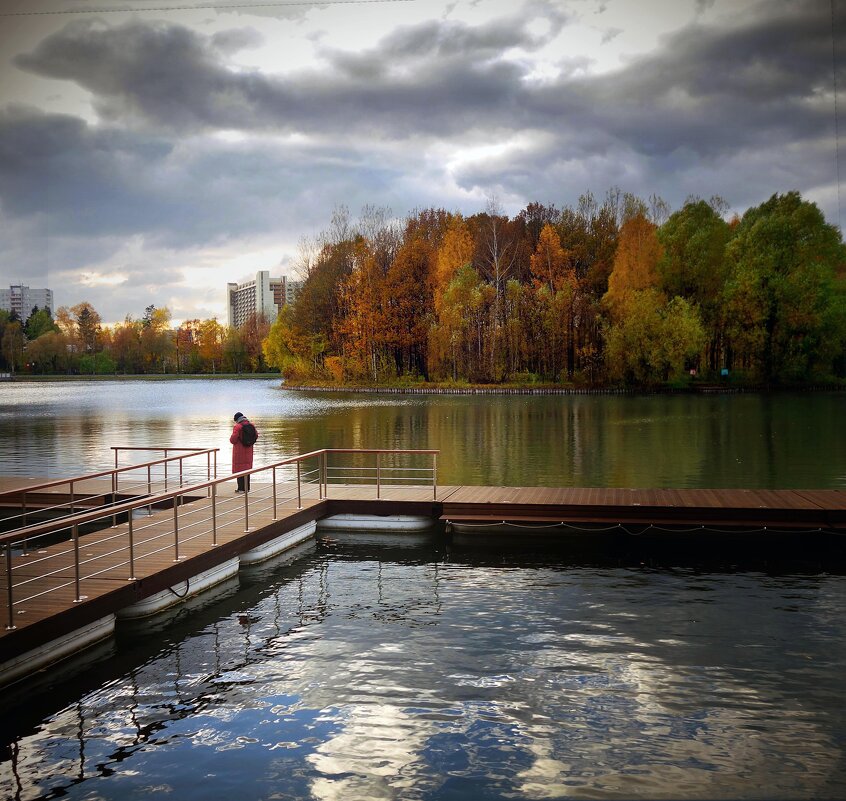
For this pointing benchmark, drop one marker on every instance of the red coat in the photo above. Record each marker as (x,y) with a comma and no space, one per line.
(242,456)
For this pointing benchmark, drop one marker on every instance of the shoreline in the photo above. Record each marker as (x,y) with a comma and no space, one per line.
(483,389)
(704,389)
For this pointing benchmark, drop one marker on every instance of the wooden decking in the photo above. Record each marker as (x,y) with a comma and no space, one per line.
(46,577)
(801,509)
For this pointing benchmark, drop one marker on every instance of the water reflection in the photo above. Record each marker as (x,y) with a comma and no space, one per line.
(782,440)
(362,671)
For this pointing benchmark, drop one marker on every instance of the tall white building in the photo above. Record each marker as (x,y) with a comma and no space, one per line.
(251,297)
(285,290)
(22,299)
(261,296)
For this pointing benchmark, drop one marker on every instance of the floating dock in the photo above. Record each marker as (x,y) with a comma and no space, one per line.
(143,555)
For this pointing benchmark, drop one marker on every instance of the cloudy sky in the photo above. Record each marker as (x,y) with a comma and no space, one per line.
(150,155)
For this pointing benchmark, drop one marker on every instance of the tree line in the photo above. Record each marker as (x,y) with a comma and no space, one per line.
(619,291)
(614,292)
(77,342)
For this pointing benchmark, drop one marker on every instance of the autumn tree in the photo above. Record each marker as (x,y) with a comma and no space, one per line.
(186,343)
(535,217)
(48,353)
(296,353)
(253,332)
(457,337)
(361,324)
(12,345)
(126,346)
(210,335)
(157,338)
(653,340)
(88,323)
(549,261)
(635,262)
(455,251)
(408,305)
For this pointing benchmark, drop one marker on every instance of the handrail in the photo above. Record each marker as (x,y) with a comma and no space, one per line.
(81,518)
(111,471)
(107,496)
(76,520)
(154,448)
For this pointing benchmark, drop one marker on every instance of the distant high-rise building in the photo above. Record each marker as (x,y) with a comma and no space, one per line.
(251,297)
(262,296)
(285,291)
(292,289)
(23,299)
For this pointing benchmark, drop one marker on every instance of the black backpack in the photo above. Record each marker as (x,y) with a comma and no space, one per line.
(249,435)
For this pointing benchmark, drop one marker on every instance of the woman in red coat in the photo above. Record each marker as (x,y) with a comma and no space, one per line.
(242,455)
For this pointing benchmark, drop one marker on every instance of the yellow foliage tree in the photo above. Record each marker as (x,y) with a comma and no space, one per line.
(635,264)
(455,251)
(549,261)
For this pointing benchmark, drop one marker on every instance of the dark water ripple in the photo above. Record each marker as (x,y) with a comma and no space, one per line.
(436,675)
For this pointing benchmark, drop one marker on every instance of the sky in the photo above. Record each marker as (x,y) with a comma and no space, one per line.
(150,153)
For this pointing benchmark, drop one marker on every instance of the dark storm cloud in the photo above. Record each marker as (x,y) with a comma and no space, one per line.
(710,90)
(87,179)
(98,181)
(171,76)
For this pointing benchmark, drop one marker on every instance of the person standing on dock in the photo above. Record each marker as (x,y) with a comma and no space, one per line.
(244,436)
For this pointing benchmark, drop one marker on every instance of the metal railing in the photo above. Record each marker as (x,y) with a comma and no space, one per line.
(83,491)
(376,474)
(118,550)
(211,456)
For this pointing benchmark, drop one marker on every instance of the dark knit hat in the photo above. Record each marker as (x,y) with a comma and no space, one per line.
(239,417)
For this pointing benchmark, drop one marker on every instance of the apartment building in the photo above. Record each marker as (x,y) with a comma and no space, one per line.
(22,299)
(262,295)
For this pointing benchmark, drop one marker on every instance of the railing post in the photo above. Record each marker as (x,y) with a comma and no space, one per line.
(149,491)
(115,449)
(215,463)
(175,530)
(11,624)
(23,503)
(274,493)
(75,533)
(180,471)
(299,489)
(435,476)
(320,477)
(114,497)
(246,508)
(214,513)
(131,549)
(165,466)
(72,497)
(208,469)
(378,475)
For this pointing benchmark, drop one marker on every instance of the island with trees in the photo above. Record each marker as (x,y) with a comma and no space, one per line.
(616,293)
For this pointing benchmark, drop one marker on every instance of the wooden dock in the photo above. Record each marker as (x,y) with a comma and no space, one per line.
(60,599)
(732,508)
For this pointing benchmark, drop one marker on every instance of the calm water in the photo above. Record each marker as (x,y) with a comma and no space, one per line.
(383,669)
(368,670)
(776,441)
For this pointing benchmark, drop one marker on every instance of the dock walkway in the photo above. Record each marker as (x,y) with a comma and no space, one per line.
(64,586)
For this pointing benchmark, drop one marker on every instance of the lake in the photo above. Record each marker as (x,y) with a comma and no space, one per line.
(785,440)
(388,667)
